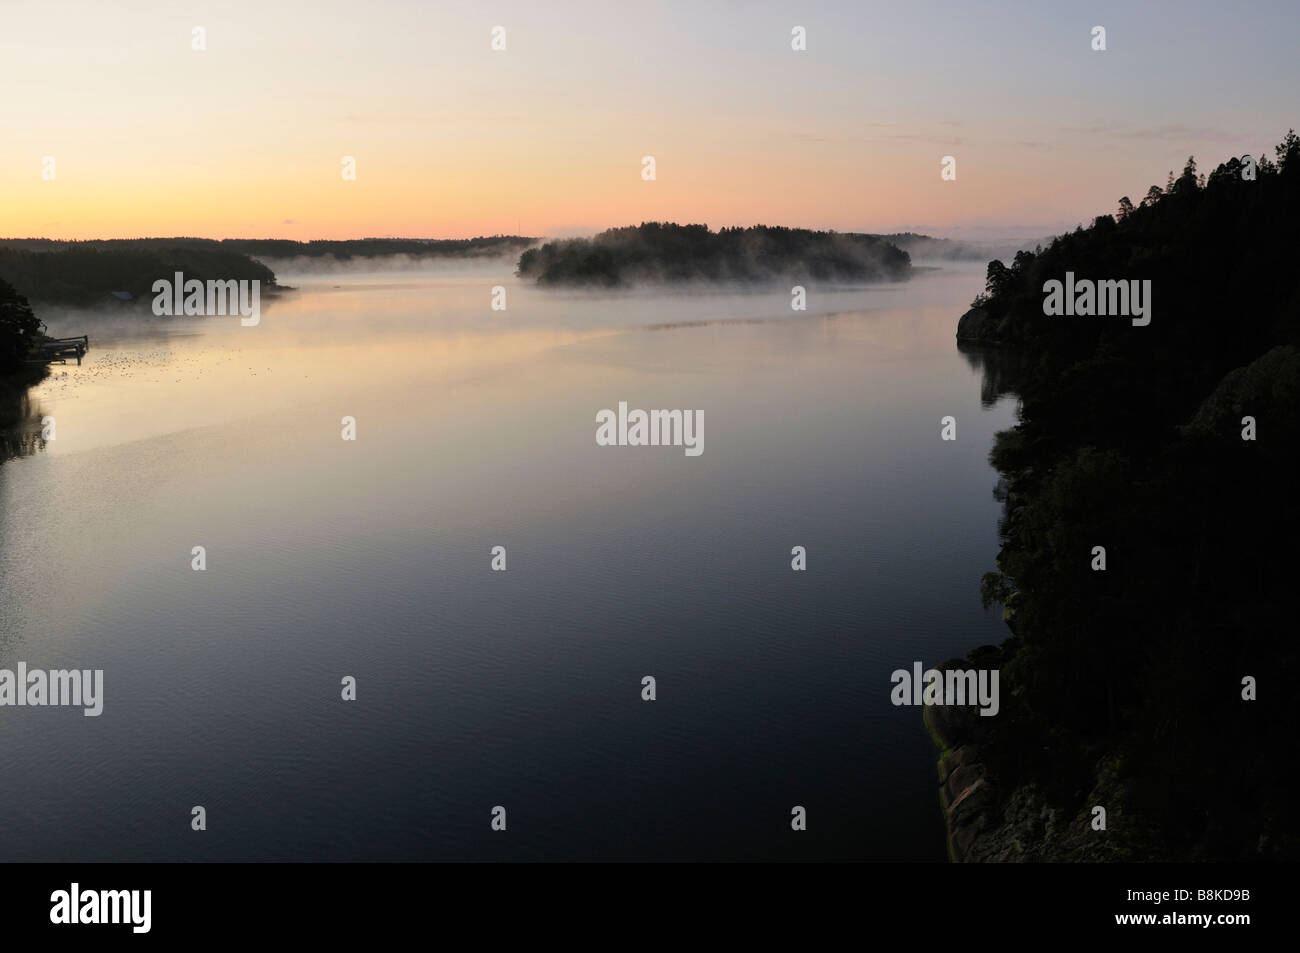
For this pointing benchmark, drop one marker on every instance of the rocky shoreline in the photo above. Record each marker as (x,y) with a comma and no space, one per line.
(988,821)
(976,326)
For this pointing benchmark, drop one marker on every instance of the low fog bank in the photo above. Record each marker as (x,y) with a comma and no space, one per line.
(315,265)
(103,323)
(926,248)
(397,297)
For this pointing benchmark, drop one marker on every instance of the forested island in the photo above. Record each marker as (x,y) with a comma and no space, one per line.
(1174,447)
(661,252)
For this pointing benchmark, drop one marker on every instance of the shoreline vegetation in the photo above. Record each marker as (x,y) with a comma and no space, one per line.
(1154,685)
(20,332)
(664,253)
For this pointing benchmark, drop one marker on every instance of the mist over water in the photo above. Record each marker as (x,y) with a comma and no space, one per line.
(476,428)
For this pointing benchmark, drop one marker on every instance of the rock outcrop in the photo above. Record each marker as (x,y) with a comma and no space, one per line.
(990,821)
(977,326)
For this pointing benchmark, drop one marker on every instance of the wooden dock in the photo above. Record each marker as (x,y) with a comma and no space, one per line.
(58,350)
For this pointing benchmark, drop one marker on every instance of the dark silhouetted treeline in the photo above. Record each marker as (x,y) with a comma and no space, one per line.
(288,248)
(1128,682)
(19,329)
(376,247)
(87,273)
(20,430)
(663,252)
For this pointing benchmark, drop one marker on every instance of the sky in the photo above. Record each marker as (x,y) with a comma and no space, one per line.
(451,138)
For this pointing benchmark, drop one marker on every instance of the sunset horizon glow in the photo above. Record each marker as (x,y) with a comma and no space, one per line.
(244,138)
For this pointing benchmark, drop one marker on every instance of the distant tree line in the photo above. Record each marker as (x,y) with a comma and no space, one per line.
(288,248)
(666,252)
(86,273)
(375,247)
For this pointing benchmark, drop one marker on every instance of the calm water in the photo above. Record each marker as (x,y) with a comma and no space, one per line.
(476,428)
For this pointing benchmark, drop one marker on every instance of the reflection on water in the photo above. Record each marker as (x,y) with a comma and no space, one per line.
(371,558)
(20,424)
(1000,370)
